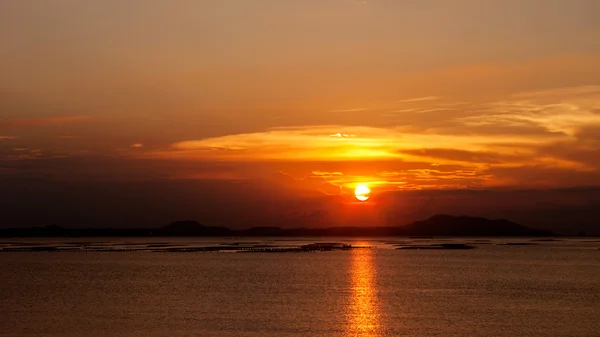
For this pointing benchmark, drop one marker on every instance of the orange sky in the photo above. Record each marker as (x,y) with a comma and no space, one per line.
(427,95)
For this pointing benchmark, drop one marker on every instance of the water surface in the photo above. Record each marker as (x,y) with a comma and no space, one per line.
(551,288)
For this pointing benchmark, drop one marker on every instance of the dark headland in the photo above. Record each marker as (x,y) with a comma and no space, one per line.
(438,225)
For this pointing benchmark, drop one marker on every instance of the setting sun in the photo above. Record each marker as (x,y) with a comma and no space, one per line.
(362,192)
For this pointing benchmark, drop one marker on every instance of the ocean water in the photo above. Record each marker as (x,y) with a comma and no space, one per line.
(543,288)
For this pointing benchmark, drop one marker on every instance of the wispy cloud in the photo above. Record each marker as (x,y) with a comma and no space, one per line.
(418,111)
(289,143)
(6,137)
(350,110)
(419,99)
(404,111)
(342,135)
(323,174)
(565,117)
(569,92)
(137,145)
(31,122)
(21,153)
(546,131)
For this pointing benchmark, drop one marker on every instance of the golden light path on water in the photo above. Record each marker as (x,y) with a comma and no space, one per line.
(363,313)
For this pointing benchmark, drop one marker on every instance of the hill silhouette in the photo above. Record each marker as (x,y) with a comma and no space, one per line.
(447,225)
(438,225)
(190,228)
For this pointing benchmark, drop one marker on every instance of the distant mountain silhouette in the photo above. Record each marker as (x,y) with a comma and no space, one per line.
(190,228)
(438,225)
(448,225)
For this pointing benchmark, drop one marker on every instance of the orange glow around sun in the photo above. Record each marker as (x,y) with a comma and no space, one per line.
(362,192)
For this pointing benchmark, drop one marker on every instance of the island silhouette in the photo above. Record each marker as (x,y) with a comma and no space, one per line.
(438,225)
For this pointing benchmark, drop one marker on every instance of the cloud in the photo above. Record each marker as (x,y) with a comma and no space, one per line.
(33,122)
(302,143)
(342,135)
(308,184)
(21,154)
(567,92)
(504,78)
(317,143)
(545,130)
(326,174)
(487,157)
(350,110)
(395,112)
(527,176)
(548,109)
(456,146)
(419,111)
(6,137)
(419,99)
(273,201)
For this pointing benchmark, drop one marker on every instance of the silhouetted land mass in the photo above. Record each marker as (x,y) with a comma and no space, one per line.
(439,225)
(447,225)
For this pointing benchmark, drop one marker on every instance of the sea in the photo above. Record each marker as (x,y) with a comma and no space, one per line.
(142,287)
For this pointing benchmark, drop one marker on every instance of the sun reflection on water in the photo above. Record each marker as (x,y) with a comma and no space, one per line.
(363,311)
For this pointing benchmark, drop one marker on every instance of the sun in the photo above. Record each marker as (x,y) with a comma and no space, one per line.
(362,192)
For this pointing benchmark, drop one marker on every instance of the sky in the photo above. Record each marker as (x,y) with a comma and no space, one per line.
(294,103)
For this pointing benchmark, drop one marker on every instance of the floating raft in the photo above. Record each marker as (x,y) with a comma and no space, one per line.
(164,248)
(448,246)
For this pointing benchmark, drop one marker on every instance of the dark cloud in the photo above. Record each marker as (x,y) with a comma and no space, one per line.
(27,201)
(543,177)
(464,155)
(33,122)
